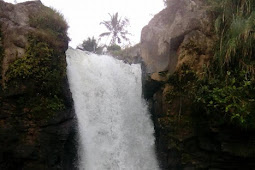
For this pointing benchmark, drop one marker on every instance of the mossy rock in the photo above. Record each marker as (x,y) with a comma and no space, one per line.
(40,72)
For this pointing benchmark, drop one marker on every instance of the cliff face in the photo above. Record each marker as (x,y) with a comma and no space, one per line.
(177,46)
(37,123)
(162,37)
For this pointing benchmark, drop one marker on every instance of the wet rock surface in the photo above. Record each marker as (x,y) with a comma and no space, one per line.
(186,139)
(31,139)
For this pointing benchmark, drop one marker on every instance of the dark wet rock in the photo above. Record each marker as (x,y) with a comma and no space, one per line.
(31,139)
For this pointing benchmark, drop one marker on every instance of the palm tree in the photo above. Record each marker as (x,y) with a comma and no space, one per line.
(116,28)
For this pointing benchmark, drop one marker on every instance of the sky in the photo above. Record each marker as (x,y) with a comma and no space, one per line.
(84,16)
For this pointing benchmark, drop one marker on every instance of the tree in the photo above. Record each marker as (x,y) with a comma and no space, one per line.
(116,28)
(90,44)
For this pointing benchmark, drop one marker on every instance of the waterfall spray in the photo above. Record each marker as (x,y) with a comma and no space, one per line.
(115,129)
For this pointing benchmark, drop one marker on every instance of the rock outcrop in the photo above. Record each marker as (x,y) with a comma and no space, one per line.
(182,34)
(37,121)
(162,37)
(131,55)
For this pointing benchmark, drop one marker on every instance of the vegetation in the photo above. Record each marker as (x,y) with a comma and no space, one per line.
(225,92)
(231,99)
(114,47)
(116,29)
(39,74)
(44,70)
(234,25)
(51,26)
(90,44)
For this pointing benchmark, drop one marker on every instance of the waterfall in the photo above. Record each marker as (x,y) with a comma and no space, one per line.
(115,129)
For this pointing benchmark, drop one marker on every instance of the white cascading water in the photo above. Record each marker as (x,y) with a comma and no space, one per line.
(116,132)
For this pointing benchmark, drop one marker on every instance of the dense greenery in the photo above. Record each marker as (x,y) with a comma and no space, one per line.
(39,64)
(116,29)
(114,47)
(39,74)
(90,45)
(232,98)
(44,70)
(226,91)
(234,25)
(51,26)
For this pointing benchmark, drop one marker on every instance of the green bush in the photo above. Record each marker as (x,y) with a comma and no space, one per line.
(229,99)
(90,45)
(234,26)
(44,68)
(226,92)
(50,24)
(114,47)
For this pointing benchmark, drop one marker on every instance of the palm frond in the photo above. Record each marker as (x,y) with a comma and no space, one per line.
(107,24)
(116,26)
(105,34)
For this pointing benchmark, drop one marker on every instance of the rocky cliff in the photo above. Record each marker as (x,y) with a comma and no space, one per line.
(172,28)
(37,122)
(177,47)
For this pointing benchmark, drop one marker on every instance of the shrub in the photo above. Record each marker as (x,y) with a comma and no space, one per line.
(51,25)
(44,68)
(90,45)
(234,26)
(114,47)
(229,99)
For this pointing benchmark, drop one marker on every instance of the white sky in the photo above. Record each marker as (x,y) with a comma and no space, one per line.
(84,16)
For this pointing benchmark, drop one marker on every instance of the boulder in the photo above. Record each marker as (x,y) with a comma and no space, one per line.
(162,37)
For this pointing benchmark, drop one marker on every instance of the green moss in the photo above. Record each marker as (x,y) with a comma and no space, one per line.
(192,49)
(183,82)
(37,77)
(41,71)
(40,106)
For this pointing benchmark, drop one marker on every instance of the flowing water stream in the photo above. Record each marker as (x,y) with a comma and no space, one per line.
(115,129)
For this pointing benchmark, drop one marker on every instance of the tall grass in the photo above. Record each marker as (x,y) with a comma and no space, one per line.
(50,25)
(235,27)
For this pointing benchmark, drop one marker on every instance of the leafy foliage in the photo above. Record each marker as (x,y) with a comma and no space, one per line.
(231,99)
(114,47)
(116,28)
(44,69)
(183,83)
(226,91)
(235,25)
(51,25)
(38,64)
(90,44)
